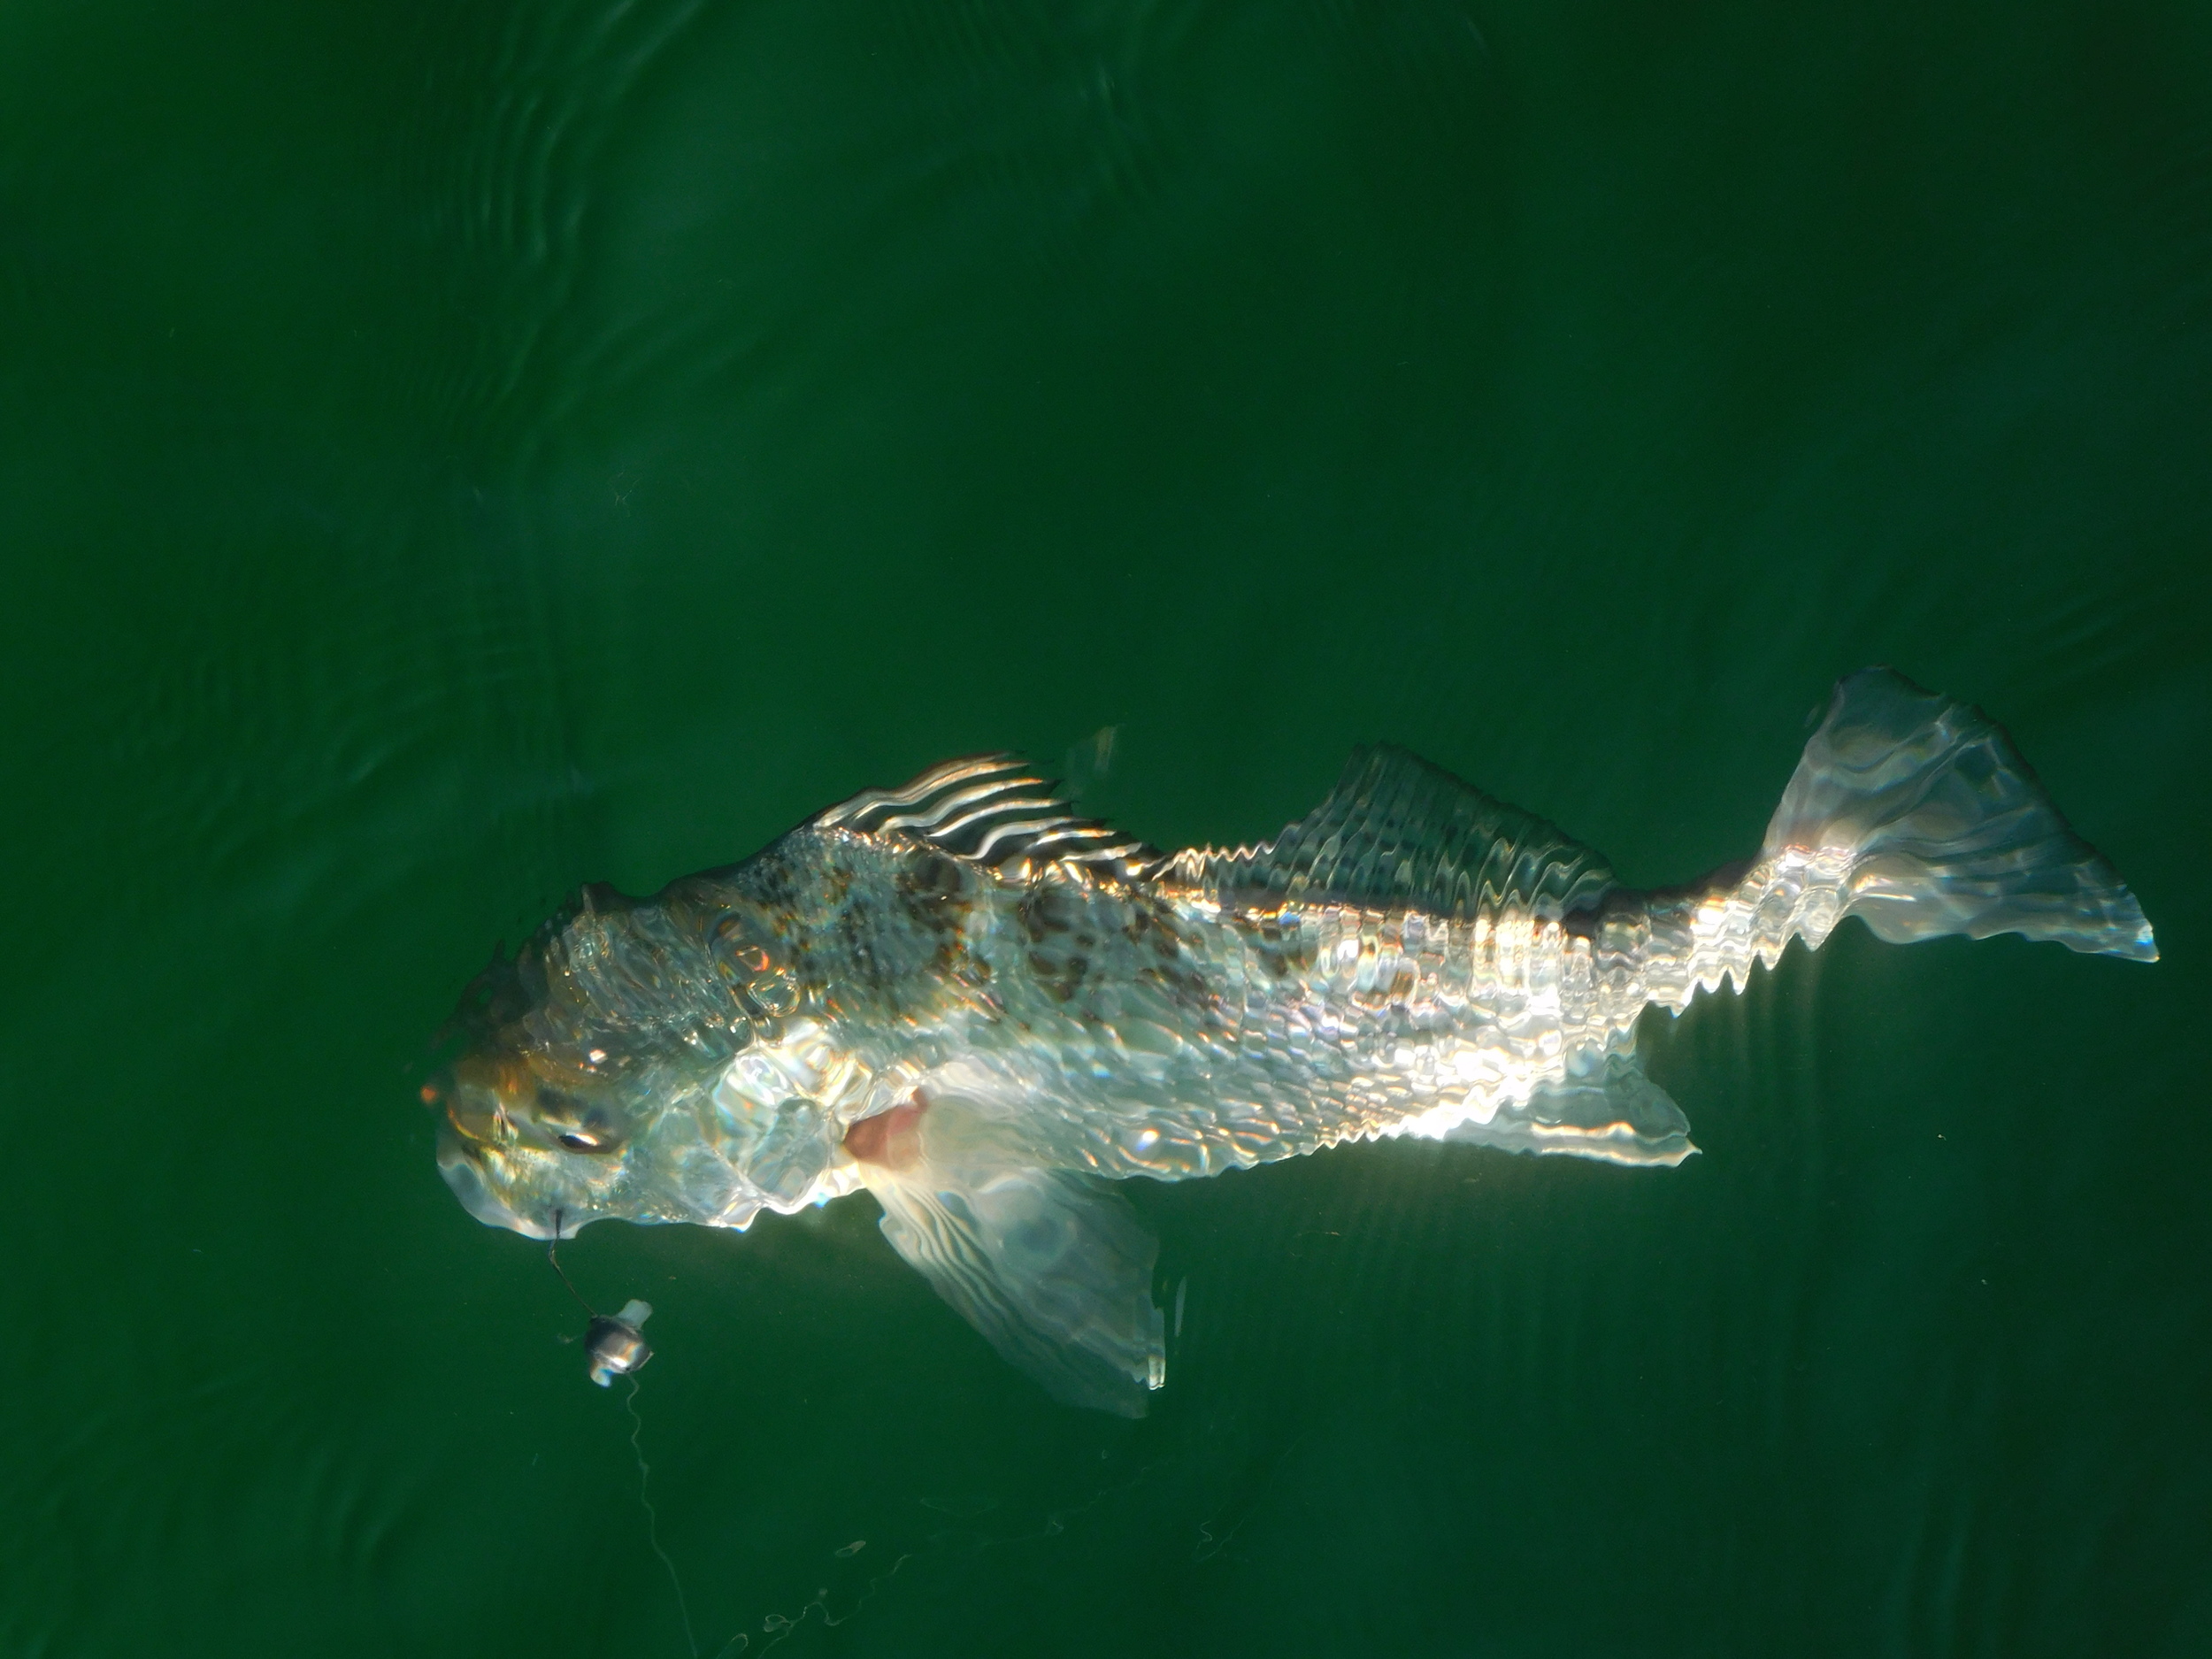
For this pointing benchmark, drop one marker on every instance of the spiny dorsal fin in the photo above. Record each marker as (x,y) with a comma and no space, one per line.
(992,811)
(1398,832)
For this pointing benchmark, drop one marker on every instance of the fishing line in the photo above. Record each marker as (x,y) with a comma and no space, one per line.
(618,1348)
(552,1245)
(653,1519)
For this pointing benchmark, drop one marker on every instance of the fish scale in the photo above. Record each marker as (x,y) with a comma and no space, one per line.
(983,1009)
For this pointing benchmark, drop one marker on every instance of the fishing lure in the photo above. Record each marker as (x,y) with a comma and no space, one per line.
(985,1009)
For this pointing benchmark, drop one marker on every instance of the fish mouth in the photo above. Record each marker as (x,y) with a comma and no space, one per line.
(461,1161)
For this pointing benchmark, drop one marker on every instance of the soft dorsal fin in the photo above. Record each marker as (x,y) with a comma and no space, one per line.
(993,810)
(1399,832)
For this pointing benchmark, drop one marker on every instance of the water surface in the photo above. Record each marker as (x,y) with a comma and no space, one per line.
(450,454)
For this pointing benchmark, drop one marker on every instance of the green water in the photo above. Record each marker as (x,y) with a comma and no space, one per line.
(451,452)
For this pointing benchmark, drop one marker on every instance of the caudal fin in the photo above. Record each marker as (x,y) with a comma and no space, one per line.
(1938,826)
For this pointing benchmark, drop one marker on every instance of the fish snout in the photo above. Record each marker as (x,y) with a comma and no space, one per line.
(475,1173)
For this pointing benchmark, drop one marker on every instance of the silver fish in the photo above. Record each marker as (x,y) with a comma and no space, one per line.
(985,1009)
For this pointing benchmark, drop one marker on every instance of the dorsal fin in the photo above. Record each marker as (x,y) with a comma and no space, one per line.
(1398,832)
(992,811)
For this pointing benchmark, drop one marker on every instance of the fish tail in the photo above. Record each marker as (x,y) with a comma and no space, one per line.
(1925,821)
(1914,814)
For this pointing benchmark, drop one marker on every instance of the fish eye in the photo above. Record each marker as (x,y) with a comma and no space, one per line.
(573,1125)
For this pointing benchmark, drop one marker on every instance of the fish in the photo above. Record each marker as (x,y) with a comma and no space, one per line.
(986,1009)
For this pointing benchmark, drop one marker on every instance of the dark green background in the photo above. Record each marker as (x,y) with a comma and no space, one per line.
(449,452)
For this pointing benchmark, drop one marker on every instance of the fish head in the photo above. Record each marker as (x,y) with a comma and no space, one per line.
(584,1061)
(527,1153)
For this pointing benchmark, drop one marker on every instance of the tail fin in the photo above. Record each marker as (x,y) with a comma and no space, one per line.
(1940,827)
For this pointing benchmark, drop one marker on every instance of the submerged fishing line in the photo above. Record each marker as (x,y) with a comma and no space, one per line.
(552,1254)
(618,1348)
(653,1519)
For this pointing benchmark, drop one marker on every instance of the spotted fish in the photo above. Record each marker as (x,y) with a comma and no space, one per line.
(986,1009)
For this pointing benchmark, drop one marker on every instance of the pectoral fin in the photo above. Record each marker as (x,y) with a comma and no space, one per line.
(1054,1269)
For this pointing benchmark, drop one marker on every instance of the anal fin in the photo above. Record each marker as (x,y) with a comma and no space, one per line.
(1610,1110)
(1054,1269)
